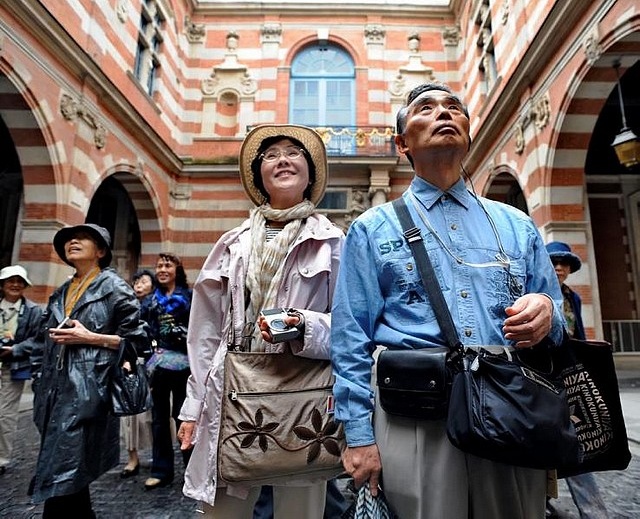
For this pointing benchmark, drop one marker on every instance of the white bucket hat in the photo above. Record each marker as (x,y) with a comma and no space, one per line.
(14,270)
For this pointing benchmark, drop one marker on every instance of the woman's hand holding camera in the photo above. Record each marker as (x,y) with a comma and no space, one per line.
(280,324)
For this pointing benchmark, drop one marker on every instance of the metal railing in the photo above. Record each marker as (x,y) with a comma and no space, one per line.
(357,141)
(624,335)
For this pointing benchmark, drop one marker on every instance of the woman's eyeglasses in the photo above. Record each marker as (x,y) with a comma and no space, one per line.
(289,153)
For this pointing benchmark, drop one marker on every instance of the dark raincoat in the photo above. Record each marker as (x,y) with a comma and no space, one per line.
(79,437)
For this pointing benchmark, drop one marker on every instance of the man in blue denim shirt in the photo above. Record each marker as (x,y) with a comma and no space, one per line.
(500,287)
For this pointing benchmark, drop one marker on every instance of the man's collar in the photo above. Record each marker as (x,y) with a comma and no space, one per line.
(429,194)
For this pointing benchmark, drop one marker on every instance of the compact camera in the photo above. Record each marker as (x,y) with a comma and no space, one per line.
(279,330)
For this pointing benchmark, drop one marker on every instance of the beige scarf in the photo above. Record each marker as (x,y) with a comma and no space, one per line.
(266,263)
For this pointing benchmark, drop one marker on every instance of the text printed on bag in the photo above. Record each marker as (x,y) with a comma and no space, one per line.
(589,413)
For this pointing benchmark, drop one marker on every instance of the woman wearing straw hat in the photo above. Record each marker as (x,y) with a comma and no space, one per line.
(284,255)
(19,318)
(84,323)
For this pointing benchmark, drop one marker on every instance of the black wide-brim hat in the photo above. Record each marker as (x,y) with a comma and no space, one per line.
(559,251)
(100,234)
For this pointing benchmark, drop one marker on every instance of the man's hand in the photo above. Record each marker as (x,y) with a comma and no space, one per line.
(185,433)
(363,464)
(529,320)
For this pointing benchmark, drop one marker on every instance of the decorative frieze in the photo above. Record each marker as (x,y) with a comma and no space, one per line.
(538,112)
(505,9)
(592,47)
(121,10)
(72,109)
(541,111)
(374,33)
(451,36)
(271,32)
(195,32)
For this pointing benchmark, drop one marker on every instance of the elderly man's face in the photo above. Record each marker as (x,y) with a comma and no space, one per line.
(436,119)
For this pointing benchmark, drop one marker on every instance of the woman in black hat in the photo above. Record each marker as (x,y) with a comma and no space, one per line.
(84,323)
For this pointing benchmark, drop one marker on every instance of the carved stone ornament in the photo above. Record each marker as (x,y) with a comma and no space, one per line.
(374,33)
(195,32)
(504,12)
(72,109)
(249,85)
(121,10)
(451,36)
(100,136)
(398,85)
(519,139)
(209,85)
(232,41)
(414,41)
(541,111)
(592,47)
(68,107)
(271,33)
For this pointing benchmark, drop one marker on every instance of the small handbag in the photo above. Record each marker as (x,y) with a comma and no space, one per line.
(414,383)
(130,392)
(277,421)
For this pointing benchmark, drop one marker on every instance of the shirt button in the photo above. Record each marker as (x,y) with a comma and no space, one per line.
(444,197)
(305,271)
(409,267)
(468,332)
(453,226)
(464,294)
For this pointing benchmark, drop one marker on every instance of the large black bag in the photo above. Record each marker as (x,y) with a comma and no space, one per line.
(589,375)
(414,383)
(130,393)
(512,410)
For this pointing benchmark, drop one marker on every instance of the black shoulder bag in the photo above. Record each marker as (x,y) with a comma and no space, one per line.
(502,406)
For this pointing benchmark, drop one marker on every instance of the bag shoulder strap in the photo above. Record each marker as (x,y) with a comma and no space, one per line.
(413,235)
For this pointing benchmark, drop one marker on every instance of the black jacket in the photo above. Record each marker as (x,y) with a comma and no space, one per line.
(79,436)
(28,325)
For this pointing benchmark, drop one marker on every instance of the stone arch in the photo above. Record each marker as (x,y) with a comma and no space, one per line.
(503,186)
(586,190)
(35,202)
(144,215)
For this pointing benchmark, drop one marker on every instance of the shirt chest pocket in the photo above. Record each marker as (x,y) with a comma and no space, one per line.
(405,292)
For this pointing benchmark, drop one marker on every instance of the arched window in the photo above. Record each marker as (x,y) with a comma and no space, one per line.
(322,87)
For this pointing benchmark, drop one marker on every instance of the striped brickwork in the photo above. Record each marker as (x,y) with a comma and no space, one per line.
(174,151)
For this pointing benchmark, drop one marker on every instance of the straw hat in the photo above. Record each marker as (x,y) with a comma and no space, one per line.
(100,235)
(15,270)
(559,251)
(310,140)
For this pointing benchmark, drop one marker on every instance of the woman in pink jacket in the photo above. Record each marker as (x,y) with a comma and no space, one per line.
(284,255)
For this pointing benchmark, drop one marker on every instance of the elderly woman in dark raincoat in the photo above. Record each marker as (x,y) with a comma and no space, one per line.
(84,324)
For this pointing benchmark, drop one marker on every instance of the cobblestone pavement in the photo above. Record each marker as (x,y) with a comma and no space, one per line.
(116,498)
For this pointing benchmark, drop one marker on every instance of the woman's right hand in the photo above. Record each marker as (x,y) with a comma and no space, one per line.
(185,433)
